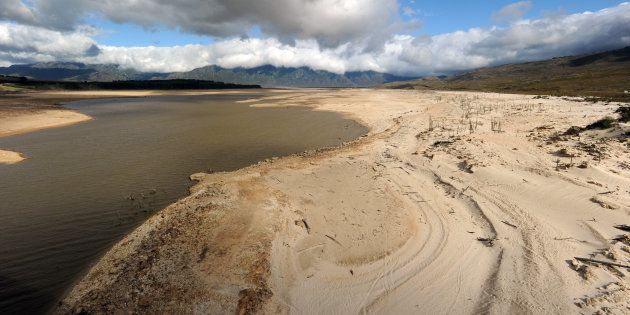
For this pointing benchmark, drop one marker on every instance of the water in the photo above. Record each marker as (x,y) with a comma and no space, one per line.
(85,186)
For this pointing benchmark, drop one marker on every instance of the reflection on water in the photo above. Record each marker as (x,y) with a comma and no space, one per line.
(85,186)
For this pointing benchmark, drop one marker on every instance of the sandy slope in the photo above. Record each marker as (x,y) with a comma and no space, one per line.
(410,219)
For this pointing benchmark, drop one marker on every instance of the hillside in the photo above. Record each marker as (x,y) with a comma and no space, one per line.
(267,76)
(271,76)
(605,74)
(75,71)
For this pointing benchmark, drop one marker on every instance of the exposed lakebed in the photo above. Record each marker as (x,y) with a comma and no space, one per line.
(85,186)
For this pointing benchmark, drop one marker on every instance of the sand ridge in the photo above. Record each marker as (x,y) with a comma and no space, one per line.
(455,202)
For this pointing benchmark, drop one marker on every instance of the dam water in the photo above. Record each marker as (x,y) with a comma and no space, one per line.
(85,186)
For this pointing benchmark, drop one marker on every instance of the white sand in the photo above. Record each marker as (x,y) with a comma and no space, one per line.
(391,223)
(10,157)
(36,120)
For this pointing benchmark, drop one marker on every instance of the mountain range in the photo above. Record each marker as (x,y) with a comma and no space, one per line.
(267,76)
(604,74)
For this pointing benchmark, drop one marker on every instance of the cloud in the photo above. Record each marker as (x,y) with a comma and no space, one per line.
(558,35)
(250,52)
(331,22)
(408,11)
(525,40)
(15,10)
(512,12)
(23,43)
(401,54)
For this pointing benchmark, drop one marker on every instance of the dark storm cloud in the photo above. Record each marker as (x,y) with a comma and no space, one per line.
(331,22)
(15,10)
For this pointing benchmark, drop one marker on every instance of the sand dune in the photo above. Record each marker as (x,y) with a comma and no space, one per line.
(433,212)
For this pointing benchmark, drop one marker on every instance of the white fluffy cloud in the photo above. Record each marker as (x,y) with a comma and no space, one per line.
(22,43)
(231,53)
(522,40)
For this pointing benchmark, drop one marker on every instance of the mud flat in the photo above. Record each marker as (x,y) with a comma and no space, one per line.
(454,203)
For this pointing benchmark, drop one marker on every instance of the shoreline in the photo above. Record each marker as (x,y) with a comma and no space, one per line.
(390,210)
(70,134)
(30,111)
(10,157)
(39,120)
(33,121)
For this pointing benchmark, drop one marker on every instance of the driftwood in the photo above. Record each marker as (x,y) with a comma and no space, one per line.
(308,228)
(487,241)
(302,223)
(510,224)
(442,142)
(333,239)
(608,263)
(569,239)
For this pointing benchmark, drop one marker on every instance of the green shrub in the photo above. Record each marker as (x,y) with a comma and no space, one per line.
(624,113)
(604,123)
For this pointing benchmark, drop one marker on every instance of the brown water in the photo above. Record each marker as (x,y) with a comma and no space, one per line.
(69,201)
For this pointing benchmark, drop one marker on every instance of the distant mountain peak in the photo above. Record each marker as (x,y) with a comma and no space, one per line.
(265,75)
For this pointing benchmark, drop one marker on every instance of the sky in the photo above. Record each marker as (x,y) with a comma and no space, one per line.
(404,37)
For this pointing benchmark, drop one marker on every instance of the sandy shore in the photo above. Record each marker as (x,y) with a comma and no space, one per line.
(10,157)
(34,120)
(433,212)
(27,111)
(37,120)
